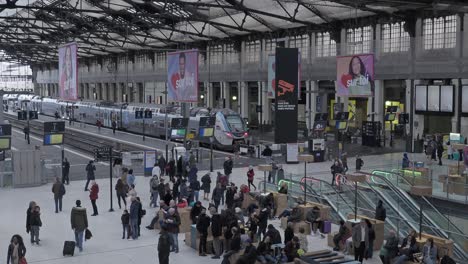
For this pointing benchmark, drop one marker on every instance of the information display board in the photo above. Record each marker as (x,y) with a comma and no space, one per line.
(433,95)
(5,143)
(54,132)
(446,100)
(206,126)
(53,139)
(5,130)
(292,151)
(421,97)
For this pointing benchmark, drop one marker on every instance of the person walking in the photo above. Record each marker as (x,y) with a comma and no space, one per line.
(114,126)
(380,211)
(267,153)
(217,195)
(79,223)
(162,164)
(154,185)
(66,172)
(90,169)
(336,168)
(173,222)
(134,215)
(250,177)
(359,163)
(171,169)
(93,196)
(206,186)
(217,232)
(405,162)
(99,124)
(29,211)
(360,236)
(164,246)
(227,166)
(203,223)
(130,178)
(440,151)
(36,224)
(26,132)
(195,187)
(58,189)
(344,162)
(121,193)
(125,218)
(16,250)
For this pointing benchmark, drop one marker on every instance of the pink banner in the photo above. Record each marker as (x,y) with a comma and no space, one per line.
(68,72)
(182,76)
(355,75)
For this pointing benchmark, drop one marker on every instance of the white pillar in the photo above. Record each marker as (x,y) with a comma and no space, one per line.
(243,98)
(455,105)
(379,102)
(418,128)
(209,96)
(408,105)
(310,108)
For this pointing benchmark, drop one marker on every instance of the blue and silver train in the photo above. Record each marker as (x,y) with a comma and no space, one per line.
(230,128)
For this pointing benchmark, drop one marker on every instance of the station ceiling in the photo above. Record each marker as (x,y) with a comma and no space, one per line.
(32,30)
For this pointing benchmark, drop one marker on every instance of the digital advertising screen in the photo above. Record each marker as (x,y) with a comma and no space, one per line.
(5,143)
(320,125)
(178,133)
(421,97)
(341,125)
(53,139)
(390,117)
(182,76)
(206,132)
(355,75)
(271,84)
(68,72)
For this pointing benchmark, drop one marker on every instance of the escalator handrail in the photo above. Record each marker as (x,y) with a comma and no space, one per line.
(439,214)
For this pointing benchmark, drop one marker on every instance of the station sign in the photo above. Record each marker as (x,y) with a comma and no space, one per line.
(23,115)
(138,114)
(54,127)
(341,116)
(179,122)
(206,126)
(5,130)
(33,115)
(148,114)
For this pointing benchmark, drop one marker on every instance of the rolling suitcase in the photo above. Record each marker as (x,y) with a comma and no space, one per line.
(69,248)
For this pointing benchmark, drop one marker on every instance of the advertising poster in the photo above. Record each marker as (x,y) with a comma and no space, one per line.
(286,95)
(272,76)
(182,76)
(68,72)
(355,75)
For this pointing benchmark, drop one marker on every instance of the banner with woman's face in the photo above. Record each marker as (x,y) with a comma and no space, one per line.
(182,76)
(355,75)
(68,71)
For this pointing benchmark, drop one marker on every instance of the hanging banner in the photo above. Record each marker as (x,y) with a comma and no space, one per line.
(182,76)
(272,76)
(68,72)
(286,95)
(355,75)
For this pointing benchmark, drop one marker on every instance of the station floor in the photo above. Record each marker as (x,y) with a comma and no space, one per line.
(106,246)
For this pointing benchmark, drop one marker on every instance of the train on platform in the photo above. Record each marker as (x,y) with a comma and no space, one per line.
(230,128)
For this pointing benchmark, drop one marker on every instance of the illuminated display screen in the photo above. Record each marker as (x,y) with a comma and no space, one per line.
(5,143)
(178,133)
(53,139)
(341,125)
(390,117)
(206,132)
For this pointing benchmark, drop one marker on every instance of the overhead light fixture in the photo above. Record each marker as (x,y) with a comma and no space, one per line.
(234,98)
(202,96)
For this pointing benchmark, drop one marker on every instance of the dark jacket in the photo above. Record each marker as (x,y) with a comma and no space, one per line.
(134,210)
(217,194)
(171,168)
(263,248)
(283,190)
(174,226)
(249,256)
(21,252)
(263,218)
(228,164)
(203,224)
(164,244)
(288,234)
(216,225)
(36,219)
(230,197)
(125,219)
(359,163)
(90,168)
(28,220)
(120,187)
(391,245)
(161,190)
(195,212)
(313,215)
(195,185)
(296,215)
(66,167)
(162,163)
(206,183)
(267,152)
(336,169)
(236,242)
(58,189)
(291,251)
(79,219)
(380,213)
(275,236)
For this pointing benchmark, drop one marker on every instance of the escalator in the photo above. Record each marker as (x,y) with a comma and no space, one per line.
(433,222)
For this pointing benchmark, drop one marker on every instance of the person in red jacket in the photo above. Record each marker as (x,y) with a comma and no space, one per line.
(250,177)
(93,196)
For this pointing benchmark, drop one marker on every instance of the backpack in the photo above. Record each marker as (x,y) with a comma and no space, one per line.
(62,190)
(154,184)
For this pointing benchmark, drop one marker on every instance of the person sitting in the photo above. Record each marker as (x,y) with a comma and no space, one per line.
(429,251)
(264,252)
(274,234)
(340,236)
(288,232)
(390,249)
(408,248)
(250,253)
(296,214)
(235,245)
(291,249)
(284,188)
(313,218)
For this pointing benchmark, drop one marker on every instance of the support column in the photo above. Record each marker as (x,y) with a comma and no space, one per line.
(226,94)
(379,103)
(260,116)
(455,106)
(243,98)
(266,104)
(311,103)
(418,120)
(209,98)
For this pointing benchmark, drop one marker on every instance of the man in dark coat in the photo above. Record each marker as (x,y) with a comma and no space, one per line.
(274,234)
(162,164)
(79,223)
(58,189)
(164,246)
(217,195)
(230,197)
(262,222)
(195,212)
(380,211)
(90,168)
(216,231)
(66,172)
(288,233)
(203,223)
(228,165)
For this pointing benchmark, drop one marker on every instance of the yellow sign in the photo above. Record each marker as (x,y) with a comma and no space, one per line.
(190,135)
